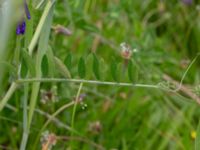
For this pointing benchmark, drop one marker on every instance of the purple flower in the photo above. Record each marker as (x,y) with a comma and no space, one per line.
(21,27)
(187,2)
(28,15)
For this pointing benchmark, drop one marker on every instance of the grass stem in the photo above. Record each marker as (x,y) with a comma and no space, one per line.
(8,95)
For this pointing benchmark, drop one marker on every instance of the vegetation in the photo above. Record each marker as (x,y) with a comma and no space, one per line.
(99,74)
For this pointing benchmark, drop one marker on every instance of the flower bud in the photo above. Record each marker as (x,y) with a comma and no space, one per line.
(126,51)
(59,29)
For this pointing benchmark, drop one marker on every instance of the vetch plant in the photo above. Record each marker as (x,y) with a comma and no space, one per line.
(39,68)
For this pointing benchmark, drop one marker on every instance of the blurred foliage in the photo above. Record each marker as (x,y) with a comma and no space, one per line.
(165,36)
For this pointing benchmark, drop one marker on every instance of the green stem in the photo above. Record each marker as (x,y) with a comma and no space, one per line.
(42,47)
(185,73)
(86,81)
(17,53)
(35,91)
(51,118)
(56,113)
(25,119)
(8,95)
(75,104)
(74,109)
(40,26)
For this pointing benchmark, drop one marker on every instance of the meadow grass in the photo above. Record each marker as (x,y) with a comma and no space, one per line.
(99,74)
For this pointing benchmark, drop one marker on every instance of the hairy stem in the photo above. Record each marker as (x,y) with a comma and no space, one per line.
(85,81)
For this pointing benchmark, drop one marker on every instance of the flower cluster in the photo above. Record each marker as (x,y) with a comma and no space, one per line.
(21,27)
(95,127)
(48,140)
(48,96)
(126,51)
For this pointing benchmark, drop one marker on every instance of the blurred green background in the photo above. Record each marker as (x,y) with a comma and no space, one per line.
(166,35)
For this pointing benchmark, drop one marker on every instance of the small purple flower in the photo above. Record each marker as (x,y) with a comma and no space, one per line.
(187,2)
(28,15)
(21,27)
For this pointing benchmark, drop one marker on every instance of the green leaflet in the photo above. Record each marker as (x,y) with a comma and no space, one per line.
(45,66)
(68,61)
(24,69)
(113,69)
(62,68)
(96,66)
(81,68)
(89,65)
(27,64)
(132,71)
(103,68)
(51,63)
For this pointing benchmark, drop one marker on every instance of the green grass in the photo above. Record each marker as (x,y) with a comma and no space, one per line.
(82,90)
